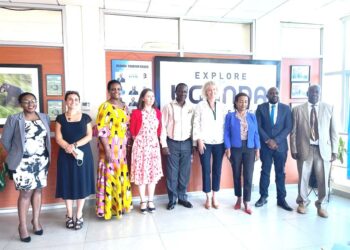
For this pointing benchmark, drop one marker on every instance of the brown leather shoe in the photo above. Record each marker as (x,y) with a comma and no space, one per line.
(322,213)
(301,209)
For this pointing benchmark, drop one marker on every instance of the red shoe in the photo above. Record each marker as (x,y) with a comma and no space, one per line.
(237,205)
(248,210)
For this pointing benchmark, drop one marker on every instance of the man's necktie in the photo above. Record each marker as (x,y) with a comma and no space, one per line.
(272,113)
(313,124)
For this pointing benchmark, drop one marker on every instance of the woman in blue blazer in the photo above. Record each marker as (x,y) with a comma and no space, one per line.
(242,146)
(26,138)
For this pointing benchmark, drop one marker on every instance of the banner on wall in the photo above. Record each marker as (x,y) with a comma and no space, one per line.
(134,77)
(253,77)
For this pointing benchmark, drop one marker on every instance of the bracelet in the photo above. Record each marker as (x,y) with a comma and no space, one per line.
(75,144)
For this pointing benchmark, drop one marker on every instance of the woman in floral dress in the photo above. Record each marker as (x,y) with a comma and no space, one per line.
(113,196)
(146,166)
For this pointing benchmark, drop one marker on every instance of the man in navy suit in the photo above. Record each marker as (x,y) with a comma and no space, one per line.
(274,123)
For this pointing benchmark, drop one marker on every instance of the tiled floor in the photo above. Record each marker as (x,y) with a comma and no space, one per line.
(268,227)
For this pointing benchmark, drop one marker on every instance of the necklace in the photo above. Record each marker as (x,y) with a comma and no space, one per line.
(70,116)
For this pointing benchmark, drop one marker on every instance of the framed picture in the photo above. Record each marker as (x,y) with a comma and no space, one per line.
(54,85)
(54,108)
(14,80)
(299,90)
(300,73)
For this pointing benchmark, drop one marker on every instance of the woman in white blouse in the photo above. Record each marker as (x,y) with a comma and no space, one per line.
(208,132)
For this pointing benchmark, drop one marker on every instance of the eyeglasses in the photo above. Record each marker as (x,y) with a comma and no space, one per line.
(115,89)
(29,102)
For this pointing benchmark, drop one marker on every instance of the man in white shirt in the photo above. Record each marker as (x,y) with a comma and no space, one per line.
(176,140)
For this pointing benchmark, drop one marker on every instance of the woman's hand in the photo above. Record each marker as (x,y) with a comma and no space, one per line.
(257,154)
(69,149)
(228,153)
(200,146)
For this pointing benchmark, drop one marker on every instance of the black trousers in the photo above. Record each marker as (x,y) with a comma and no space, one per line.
(243,159)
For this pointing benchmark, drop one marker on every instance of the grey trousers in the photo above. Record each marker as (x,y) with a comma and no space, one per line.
(178,168)
(321,167)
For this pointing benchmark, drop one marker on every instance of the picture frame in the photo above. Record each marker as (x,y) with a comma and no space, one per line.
(298,90)
(54,108)
(300,73)
(14,80)
(54,85)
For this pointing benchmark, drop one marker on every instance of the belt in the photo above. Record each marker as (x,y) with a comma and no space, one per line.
(178,141)
(314,145)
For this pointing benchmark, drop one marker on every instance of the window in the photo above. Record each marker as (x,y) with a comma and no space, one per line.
(31,26)
(200,36)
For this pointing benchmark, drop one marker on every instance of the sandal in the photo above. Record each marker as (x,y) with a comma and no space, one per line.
(69,222)
(143,210)
(149,208)
(79,223)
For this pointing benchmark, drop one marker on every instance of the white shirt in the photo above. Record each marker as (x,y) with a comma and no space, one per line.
(177,122)
(208,125)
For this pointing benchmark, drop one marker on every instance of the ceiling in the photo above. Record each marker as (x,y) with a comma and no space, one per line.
(307,11)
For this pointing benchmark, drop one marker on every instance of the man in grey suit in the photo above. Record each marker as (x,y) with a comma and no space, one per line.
(314,144)
(275,123)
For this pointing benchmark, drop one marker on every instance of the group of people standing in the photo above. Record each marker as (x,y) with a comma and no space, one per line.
(176,131)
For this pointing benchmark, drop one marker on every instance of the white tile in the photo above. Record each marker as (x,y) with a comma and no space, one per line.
(132,224)
(205,238)
(143,242)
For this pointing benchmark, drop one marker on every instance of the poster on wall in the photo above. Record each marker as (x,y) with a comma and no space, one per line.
(253,77)
(14,80)
(54,108)
(134,77)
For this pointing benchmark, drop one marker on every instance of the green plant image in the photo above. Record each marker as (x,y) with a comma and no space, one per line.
(341,150)
(22,81)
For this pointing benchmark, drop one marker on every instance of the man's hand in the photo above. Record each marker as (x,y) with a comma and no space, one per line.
(271,143)
(165,151)
(295,156)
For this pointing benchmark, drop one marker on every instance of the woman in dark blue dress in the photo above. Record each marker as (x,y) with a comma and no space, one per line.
(75,165)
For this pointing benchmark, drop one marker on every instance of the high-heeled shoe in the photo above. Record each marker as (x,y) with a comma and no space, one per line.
(37,232)
(247,209)
(207,204)
(237,205)
(26,239)
(143,209)
(215,204)
(152,208)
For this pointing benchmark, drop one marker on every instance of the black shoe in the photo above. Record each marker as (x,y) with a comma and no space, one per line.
(283,204)
(261,202)
(39,232)
(185,203)
(171,205)
(25,239)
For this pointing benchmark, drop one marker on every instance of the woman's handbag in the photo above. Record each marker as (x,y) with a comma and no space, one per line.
(3,174)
